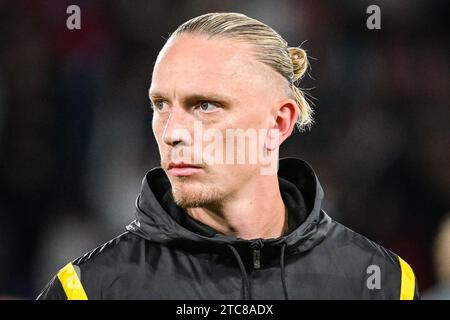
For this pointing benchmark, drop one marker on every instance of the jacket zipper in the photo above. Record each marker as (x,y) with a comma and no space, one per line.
(256,246)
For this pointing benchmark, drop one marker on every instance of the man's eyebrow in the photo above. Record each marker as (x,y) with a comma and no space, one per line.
(197,97)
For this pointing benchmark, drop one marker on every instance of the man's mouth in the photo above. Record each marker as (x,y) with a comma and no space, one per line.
(181,169)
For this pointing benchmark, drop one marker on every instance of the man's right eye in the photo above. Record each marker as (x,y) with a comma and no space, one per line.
(159,105)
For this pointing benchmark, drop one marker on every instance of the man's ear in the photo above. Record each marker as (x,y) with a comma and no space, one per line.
(285,118)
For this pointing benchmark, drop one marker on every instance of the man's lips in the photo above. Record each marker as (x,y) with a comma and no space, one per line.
(183,169)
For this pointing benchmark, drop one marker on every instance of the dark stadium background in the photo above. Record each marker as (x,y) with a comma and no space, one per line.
(75,122)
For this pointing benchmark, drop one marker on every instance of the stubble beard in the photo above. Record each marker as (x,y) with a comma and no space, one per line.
(188,194)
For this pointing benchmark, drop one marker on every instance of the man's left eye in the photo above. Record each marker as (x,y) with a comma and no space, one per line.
(208,106)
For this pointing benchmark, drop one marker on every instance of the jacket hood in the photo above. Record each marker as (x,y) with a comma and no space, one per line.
(156,213)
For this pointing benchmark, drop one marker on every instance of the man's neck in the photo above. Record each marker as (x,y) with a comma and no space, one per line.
(257,211)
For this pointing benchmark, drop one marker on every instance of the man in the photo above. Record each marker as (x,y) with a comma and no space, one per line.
(441,256)
(224,219)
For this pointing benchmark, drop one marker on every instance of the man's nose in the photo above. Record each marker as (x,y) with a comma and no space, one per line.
(177,130)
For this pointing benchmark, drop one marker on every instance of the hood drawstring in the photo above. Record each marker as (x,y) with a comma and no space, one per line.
(283,273)
(245,283)
(247,294)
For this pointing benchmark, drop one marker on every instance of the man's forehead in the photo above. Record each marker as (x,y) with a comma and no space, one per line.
(196,58)
(196,64)
(195,48)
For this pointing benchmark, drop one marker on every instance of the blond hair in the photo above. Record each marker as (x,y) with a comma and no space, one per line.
(272,49)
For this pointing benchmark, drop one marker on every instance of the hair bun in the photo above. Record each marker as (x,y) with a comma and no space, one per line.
(299,61)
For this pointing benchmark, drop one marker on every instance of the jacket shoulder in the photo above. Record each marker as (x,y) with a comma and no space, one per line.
(76,280)
(113,249)
(357,252)
(347,239)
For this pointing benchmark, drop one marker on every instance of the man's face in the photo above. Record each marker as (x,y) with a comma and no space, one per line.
(202,91)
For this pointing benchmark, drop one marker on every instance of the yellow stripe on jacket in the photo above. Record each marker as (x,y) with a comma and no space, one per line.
(71,283)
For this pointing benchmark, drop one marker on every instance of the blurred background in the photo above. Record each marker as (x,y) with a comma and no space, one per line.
(76,139)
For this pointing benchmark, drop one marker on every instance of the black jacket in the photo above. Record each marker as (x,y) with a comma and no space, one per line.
(165,254)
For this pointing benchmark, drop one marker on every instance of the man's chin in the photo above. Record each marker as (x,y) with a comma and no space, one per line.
(193,197)
(190,201)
